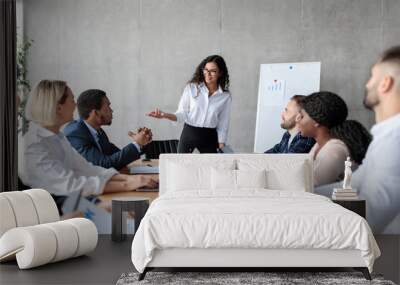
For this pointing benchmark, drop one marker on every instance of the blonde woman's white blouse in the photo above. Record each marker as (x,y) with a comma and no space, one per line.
(51,163)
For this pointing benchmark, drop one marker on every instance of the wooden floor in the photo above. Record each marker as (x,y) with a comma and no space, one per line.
(111,259)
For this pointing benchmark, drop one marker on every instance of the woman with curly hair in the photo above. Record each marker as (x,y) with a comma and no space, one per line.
(204,108)
(323,117)
(355,136)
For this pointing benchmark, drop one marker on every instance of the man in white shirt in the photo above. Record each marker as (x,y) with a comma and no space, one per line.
(378,178)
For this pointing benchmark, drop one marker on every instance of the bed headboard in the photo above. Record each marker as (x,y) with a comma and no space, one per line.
(285,171)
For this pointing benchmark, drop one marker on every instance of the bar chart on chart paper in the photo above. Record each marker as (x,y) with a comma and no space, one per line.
(275,89)
(278,83)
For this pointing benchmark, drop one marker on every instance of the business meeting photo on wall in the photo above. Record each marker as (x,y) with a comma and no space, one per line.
(200,142)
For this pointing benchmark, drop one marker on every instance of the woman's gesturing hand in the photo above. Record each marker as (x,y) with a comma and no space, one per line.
(157,113)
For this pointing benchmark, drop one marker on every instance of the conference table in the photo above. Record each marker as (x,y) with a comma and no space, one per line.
(138,193)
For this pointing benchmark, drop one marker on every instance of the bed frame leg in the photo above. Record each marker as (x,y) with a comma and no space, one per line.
(364,271)
(143,274)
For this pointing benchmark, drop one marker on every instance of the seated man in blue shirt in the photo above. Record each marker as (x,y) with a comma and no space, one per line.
(90,140)
(292,141)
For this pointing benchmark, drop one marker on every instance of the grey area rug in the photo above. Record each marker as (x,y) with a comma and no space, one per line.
(225,278)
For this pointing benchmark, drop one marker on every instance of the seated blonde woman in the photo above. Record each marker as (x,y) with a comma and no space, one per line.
(323,117)
(49,160)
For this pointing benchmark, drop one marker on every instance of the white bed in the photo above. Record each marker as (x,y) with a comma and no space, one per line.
(221,211)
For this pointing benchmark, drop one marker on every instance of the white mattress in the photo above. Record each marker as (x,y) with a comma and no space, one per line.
(251,219)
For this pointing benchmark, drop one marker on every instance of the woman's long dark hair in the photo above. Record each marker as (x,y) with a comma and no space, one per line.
(223,80)
(355,136)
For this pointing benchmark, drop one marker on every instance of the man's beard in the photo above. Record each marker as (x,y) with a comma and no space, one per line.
(370,101)
(287,125)
(105,122)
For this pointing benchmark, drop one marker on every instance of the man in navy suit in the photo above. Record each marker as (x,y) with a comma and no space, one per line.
(292,141)
(90,140)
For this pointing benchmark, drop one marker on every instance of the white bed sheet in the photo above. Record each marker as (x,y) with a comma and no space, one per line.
(252,218)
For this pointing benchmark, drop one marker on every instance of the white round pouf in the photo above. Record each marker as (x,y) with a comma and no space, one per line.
(87,235)
(67,240)
(31,233)
(7,216)
(33,246)
(23,208)
(46,208)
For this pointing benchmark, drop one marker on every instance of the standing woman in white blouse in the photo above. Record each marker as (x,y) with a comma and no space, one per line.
(204,108)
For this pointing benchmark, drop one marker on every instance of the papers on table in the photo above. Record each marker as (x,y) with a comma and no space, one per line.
(144,169)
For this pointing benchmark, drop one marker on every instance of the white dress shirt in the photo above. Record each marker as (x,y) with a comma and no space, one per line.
(378,178)
(51,163)
(198,109)
(94,133)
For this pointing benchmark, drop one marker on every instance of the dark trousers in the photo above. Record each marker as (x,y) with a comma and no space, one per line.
(204,139)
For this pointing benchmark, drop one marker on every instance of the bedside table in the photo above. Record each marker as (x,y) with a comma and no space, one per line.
(356,206)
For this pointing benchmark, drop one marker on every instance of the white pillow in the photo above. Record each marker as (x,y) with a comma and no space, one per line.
(293,180)
(186,176)
(223,179)
(236,179)
(251,178)
(281,173)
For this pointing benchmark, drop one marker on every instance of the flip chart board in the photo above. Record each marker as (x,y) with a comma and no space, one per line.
(278,83)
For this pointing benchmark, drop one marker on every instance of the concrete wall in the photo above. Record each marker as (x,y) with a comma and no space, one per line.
(141,52)
(20,19)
